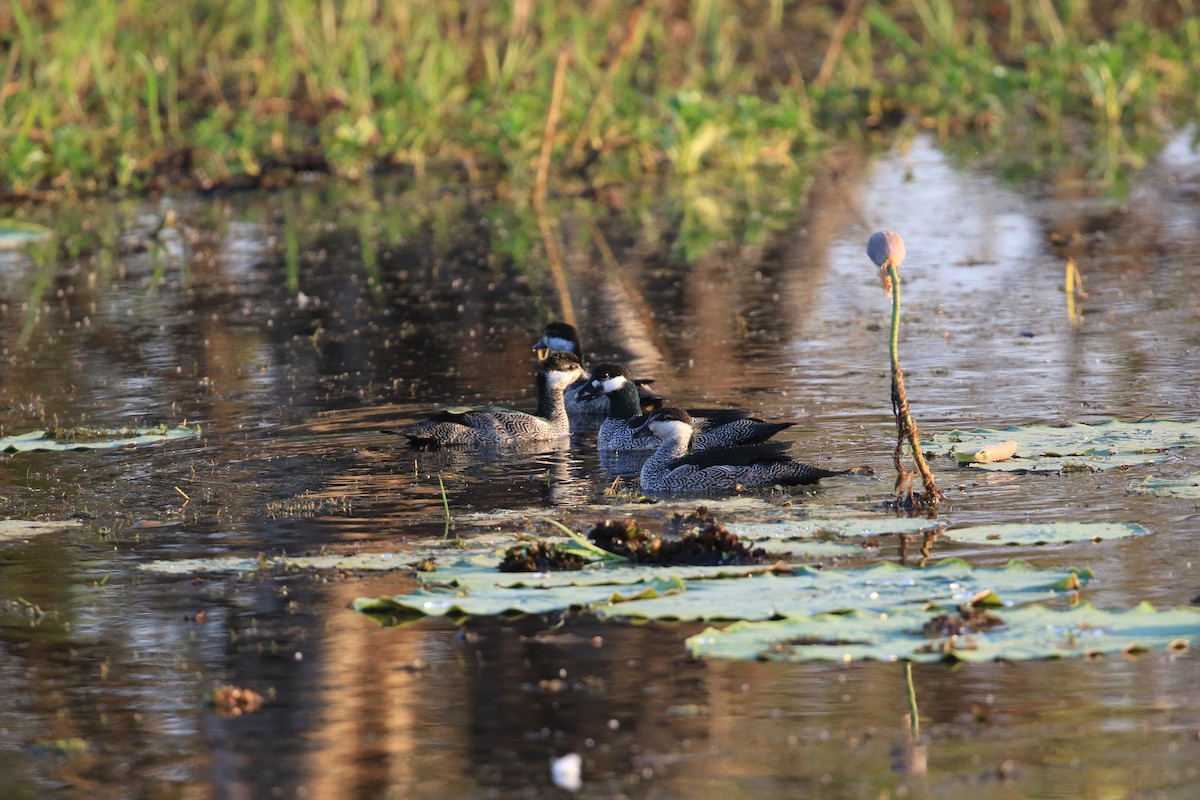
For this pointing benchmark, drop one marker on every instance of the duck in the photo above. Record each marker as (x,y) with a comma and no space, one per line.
(498,426)
(674,468)
(714,428)
(562,337)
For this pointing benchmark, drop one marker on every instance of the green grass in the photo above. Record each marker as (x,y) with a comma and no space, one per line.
(96,96)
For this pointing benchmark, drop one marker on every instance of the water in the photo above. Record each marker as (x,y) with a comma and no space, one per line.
(293,327)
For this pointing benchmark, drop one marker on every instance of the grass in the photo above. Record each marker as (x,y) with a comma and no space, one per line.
(101,96)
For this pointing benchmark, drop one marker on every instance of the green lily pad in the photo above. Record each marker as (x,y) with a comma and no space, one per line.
(796,532)
(94,438)
(711,593)
(1030,632)
(1075,446)
(15,233)
(20,529)
(835,527)
(1188,486)
(1044,533)
(368,562)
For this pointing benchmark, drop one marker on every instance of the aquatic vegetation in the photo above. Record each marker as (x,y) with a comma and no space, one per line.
(540,557)
(17,530)
(710,545)
(999,534)
(94,438)
(1188,486)
(1072,447)
(474,587)
(1030,632)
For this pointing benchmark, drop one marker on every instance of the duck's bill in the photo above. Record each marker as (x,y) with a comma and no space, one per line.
(589,391)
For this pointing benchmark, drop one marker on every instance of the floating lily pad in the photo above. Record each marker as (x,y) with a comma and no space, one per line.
(795,532)
(1070,464)
(1188,487)
(94,438)
(1031,632)
(839,527)
(370,562)
(712,593)
(19,529)
(15,233)
(1044,533)
(1075,446)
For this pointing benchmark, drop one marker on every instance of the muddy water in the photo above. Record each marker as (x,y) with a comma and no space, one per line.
(294,327)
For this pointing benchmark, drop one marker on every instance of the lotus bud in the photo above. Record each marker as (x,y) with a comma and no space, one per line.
(884,248)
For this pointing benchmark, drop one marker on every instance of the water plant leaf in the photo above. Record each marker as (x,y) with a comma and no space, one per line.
(1044,533)
(1030,632)
(833,527)
(1075,446)
(362,562)
(882,587)
(94,438)
(796,532)
(16,233)
(473,588)
(20,529)
(1187,486)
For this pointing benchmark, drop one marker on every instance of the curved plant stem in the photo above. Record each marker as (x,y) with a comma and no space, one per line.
(446,506)
(906,429)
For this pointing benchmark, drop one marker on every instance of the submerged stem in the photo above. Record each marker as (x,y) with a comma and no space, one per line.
(914,716)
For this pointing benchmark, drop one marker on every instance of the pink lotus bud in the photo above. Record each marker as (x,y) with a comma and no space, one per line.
(884,246)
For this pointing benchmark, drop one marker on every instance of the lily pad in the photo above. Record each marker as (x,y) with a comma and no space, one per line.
(711,593)
(1075,446)
(20,529)
(1188,486)
(369,562)
(1030,632)
(835,527)
(16,233)
(796,532)
(1044,533)
(94,438)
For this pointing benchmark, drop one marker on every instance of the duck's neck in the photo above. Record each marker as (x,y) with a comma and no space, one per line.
(624,402)
(551,405)
(657,466)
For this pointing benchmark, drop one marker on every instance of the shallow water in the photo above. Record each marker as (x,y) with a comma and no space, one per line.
(293,327)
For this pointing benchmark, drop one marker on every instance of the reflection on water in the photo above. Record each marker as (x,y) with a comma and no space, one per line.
(296,327)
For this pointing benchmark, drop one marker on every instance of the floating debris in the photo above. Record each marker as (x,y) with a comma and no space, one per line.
(232,701)
(541,556)
(711,545)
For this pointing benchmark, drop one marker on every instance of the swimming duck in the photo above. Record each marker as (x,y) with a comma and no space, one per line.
(503,426)
(714,428)
(674,468)
(560,337)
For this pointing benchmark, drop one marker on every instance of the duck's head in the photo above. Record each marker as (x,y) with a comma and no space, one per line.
(665,423)
(558,337)
(606,379)
(560,370)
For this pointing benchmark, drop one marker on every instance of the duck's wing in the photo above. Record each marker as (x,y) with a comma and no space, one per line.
(737,456)
(738,432)
(705,418)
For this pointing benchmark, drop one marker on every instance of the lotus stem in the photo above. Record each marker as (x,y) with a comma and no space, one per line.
(886,249)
